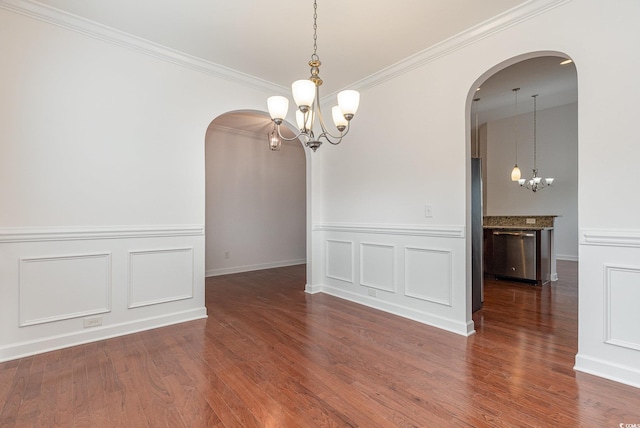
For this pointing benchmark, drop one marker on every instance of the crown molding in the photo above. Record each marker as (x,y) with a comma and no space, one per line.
(498,23)
(101,32)
(501,22)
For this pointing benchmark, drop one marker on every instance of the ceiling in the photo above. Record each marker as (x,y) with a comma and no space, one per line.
(554,83)
(273,40)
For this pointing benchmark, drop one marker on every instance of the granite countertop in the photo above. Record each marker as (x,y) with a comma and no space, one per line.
(529,227)
(519,222)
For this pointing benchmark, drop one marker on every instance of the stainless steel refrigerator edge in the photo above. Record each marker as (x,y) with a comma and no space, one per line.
(477,242)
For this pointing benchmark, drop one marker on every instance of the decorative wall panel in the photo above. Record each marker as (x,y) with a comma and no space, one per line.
(340,260)
(54,288)
(622,317)
(377,263)
(159,276)
(428,275)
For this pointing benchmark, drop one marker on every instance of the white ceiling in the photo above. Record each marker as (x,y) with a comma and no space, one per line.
(273,40)
(554,83)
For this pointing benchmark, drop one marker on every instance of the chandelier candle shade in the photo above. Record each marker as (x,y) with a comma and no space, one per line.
(535,183)
(306,94)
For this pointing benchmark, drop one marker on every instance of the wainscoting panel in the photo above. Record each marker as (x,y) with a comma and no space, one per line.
(414,271)
(339,256)
(54,288)
(377,266)
(622,317)
(126,278)
(608,315)
(428,275)
(159,276)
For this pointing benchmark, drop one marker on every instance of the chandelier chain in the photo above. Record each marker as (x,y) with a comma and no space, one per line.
(516,91)
(315,30)
(535,127)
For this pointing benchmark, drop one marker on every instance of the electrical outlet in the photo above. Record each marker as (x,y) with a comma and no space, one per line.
(92,321)
(371,292)
(531,221)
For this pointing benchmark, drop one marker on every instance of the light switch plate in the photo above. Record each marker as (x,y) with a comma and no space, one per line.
(531,221)
(428,211)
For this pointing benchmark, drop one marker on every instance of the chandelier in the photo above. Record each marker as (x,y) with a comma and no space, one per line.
(535,183)
(306,94)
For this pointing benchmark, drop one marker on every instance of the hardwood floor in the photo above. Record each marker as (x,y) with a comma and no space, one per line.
(270,355)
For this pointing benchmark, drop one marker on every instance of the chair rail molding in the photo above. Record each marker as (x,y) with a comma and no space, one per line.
(610,237)
(443,231)
(40,234)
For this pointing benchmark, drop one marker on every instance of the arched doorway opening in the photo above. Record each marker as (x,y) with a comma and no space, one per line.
(257,204)
(496,132)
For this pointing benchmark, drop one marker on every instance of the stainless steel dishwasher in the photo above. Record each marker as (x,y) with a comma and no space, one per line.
(514,254)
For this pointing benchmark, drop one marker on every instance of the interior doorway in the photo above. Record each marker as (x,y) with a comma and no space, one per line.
(502,136)
(256,198)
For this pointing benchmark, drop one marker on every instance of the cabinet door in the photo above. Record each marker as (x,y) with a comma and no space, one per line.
(488,252)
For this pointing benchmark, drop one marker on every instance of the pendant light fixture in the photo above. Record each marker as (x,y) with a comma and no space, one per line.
(515,172)
(306,94)
(535,183)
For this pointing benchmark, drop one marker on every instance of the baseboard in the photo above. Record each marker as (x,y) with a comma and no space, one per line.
(39,346)
(312,289)
(567,257)
(249,268)
(605,369)
(463,329)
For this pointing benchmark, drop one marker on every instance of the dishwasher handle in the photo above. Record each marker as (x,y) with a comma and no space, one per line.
(524,234)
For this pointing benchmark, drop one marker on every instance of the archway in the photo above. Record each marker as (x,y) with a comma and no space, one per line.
(538,73)
(257,200)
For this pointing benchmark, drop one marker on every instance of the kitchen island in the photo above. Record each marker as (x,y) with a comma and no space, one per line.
(519,248)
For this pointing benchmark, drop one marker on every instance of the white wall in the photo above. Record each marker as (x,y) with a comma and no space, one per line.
(102,184)
(256,202)
(409,147)
(557,158)
(98,140)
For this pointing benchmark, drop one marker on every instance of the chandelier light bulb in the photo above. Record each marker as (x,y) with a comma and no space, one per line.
(278,107)
(349,101)
(338,118)
(304,92)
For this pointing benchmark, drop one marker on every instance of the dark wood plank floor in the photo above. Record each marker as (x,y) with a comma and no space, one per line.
(270,355)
